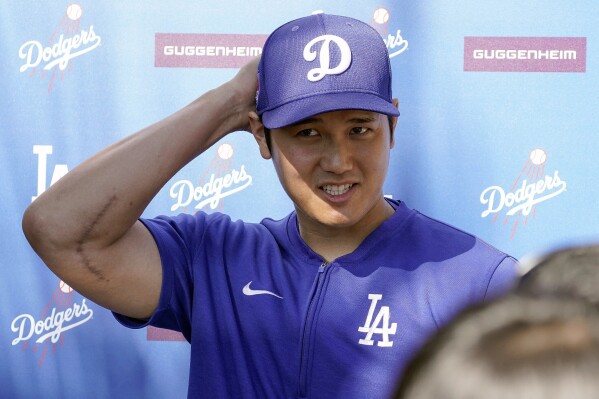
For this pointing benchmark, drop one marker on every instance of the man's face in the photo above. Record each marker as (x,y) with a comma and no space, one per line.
(333,166)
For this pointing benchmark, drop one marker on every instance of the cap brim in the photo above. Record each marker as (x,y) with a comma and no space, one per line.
(297,110)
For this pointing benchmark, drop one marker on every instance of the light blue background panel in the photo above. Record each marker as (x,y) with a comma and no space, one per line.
(529,135)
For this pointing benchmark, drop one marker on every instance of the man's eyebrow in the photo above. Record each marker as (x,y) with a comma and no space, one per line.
(355,119)
(307,120)
(364,119)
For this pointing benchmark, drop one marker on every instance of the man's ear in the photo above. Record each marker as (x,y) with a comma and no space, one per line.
(258,131)
(396,103)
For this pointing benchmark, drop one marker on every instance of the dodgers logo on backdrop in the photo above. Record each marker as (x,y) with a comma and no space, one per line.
(325,68)
(394,41)
(42,152)
(531,187)
(219,181)
(68,41)
(61,314)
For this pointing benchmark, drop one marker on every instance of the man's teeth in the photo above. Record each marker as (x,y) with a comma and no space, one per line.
(336,190)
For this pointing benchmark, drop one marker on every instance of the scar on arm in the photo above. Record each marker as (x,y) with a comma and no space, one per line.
(85,260)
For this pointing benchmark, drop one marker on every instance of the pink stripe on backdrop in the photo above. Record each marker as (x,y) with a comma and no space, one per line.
(160,334)
(513,54)
(201,50)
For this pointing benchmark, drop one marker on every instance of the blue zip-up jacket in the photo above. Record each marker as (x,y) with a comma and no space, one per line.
(268,318)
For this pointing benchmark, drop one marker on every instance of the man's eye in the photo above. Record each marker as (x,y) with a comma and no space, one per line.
(307,133)
(359,130)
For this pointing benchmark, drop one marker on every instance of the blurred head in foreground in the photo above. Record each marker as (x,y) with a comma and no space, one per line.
(571,271)
(515,347)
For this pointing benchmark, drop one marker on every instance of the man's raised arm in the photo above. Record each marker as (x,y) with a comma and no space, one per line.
(85,226)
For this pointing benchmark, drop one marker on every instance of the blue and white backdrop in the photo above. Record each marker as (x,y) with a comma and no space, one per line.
(497,135)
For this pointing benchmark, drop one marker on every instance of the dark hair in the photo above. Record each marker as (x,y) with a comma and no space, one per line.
(515,347)
(572,271)
(269,141)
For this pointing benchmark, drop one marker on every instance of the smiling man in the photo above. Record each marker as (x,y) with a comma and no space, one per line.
(330,301)
(333,166)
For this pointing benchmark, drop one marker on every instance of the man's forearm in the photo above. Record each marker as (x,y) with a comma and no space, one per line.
(98,201)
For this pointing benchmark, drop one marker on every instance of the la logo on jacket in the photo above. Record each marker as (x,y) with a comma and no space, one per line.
(380,325)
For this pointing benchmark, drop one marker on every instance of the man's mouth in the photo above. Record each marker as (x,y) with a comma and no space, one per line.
(333,189)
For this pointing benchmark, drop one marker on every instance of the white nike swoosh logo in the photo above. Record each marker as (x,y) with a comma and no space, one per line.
(248,291)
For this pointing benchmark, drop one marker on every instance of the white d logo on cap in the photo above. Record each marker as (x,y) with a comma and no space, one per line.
(316,74)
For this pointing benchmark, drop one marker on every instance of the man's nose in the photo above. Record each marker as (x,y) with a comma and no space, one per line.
(337,155)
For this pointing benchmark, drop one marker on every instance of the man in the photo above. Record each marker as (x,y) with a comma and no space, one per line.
(330,301)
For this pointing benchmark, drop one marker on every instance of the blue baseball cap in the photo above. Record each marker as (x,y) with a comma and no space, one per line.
(322,63)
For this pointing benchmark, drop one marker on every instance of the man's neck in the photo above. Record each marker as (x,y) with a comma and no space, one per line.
(334,242)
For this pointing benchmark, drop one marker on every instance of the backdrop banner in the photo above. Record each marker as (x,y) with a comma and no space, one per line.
(498,108)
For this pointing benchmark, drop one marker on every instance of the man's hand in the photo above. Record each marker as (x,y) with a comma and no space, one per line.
(245,85)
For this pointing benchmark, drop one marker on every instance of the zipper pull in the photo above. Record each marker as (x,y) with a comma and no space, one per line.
(322,267)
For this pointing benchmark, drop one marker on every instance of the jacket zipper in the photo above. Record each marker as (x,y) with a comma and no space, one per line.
(307,335)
